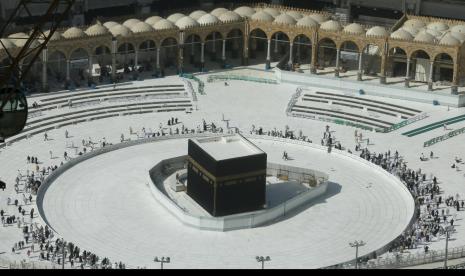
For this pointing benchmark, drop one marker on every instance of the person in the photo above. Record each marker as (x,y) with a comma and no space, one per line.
(445,126)
(66,133)
(51,156)
(431,155)
(45,136)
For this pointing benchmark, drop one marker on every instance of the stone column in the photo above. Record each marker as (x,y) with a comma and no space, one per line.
(158,58)
(454,87)
(268,55)
(223,53)
(291,60)
(181,53)
(202,56)
(430,77)
(89,76)
(276,43)
(336,70)
(314,59)
(44,69)
(214,47)
(360,70)
(136,58)
(68,65)
(382,77)
(113,60)
(407,74)
(245,60)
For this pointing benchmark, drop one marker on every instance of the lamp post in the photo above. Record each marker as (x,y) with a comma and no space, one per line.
(162,260)
(448,229)
(357,244)
(263,260)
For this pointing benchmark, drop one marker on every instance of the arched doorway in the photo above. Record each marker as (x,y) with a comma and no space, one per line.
(125,58)
(213,45)
(147,55)
(101,63)
(234,48)
(422,69)
(327,53)
(397,65)
(443,69)
(79,67)
(168,56)
(192,53)
(349,54)
(371,61)
(56,69)
(258,41)
(281,50)
(33,80)
(303,53)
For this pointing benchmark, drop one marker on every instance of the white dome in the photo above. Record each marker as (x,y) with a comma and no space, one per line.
(458,29)
(285,19)
(218,11)
(459,36)
(19,39)
(141,27)
(354,28)
(272,11)
(318,17)
(377,31)
(438,26)
(186,22)
(424,37)
(434,33)
(208,19)
(307,22)
(110,24)
(56,35)
(331,25)
(153,19)
(163,25)
(120,30)
(197,14)
(74,32)
(245,11)
(229,16)
(263,16)
(402,34)
(97,29)
(131,22)
(448,39)
(412,30)
(7,42)
(297,15)
(175,17)
(414,23)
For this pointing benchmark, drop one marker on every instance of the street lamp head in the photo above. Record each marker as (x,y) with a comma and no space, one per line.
(156,259)
(167,259)
(268,258)
(258,259)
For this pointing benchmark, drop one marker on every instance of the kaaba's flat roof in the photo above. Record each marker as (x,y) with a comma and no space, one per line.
(227,147)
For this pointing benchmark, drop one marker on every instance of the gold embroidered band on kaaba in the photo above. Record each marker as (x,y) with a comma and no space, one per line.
(225,178)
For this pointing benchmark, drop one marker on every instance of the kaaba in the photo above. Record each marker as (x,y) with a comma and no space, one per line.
(226,175)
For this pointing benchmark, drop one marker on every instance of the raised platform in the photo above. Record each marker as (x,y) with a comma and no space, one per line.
(281,201)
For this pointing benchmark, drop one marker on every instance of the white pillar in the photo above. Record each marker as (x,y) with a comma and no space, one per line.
(431,67)
(113,59)
(223,55)
(268,50)
(407,73)
(44,67)
(290,52)
(360,62)
(158,57)
(136,58)
(202,51)
(214,44)
(68,64)
(276,43)
(338,51)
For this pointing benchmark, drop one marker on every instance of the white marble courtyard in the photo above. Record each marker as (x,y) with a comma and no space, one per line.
(104,205)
